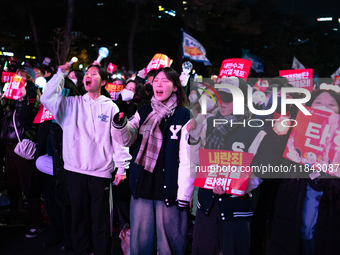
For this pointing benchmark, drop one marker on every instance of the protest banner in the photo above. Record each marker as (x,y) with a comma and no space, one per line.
(229,169)
(299,78)
(193,50)
(158,61)
(297,64)
(336,80)
(13,90)
(6,76)
(256,62)
(43,115)
(114,90)
(235,67)
(315,141)
(111,68)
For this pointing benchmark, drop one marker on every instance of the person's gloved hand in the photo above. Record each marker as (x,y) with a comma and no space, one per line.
(182,204)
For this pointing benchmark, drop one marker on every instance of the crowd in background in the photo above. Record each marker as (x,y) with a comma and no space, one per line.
(135,151)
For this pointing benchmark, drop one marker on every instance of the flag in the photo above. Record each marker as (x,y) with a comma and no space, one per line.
(336,73)
(316,79)
(193,50)
(256,62)
(297,64)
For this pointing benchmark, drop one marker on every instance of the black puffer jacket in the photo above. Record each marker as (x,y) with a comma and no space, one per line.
(24,116)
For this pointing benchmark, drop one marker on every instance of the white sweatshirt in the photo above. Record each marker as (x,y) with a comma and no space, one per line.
(88,144)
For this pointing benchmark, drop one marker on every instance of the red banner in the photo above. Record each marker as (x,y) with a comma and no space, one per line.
(13,90)
(299,78)
(224,168)
(315,141)
(158,61)
(235,67)
(6,76)
(43,115)
(111,68)
(114,90)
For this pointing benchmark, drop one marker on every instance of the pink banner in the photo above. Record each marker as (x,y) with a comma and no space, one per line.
(315,141)
(299,78)
(13,90)
(43,115)
(238,67)
(224,168)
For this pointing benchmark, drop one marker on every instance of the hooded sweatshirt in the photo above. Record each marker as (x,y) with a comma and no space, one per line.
(88,144)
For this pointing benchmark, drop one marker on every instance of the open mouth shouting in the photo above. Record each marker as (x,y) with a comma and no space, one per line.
(159,93)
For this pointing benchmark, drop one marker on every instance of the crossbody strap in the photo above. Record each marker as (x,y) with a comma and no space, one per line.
(15,126)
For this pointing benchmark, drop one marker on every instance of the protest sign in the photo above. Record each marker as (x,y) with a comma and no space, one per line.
(158,61)
(235,67)
(114,90)
(6,76)
(13,90)
(315,141)
(299,78)
(229,169)
(43,115)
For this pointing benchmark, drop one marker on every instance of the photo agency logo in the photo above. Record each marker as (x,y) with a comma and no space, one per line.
(280,99)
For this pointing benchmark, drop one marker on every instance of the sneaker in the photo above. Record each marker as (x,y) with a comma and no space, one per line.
(34,232)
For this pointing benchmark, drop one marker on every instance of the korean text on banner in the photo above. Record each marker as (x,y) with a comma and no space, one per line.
(316,141)
(114,90)
(7,76)
(235,67)
(13,90)
(193,50)
(158,61)
(299,78)
(229,169)
(43,115)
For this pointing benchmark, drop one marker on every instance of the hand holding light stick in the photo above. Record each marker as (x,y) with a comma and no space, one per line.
(103,53)
(73,60)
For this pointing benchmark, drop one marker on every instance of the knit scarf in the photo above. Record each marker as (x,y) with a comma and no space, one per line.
(152,135)
(217,139)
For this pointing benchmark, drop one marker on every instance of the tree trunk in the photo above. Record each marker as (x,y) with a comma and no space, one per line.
(67,32)
(132,37)
(35,33)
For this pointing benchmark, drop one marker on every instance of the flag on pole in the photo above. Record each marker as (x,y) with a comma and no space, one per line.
(336,73)
(297,64)
(193,50)
(256,62)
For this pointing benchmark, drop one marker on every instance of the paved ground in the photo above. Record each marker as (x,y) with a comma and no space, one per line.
(14,242)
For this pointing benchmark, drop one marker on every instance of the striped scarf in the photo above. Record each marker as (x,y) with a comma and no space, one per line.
(152,135)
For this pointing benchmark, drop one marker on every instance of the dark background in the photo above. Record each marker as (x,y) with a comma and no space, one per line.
(275,31)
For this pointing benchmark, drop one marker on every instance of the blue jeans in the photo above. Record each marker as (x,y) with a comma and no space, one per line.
(155,226)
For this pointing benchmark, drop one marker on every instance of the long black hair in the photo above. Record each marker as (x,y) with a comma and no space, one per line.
(172,75)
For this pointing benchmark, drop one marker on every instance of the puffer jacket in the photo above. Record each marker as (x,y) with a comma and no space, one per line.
(24,116)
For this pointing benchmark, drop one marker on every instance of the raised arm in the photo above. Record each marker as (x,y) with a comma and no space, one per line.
(52,97)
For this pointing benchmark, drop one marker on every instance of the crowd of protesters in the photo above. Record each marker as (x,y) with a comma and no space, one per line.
(133,156)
